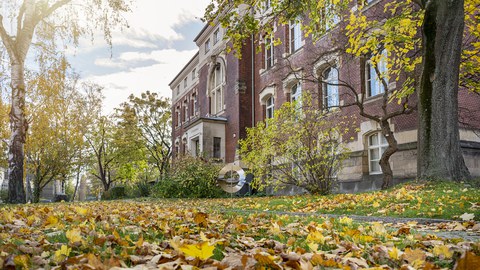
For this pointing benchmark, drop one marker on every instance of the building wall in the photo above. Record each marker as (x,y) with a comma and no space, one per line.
(249,81)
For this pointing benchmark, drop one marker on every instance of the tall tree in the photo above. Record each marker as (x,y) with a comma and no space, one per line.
(55,136)
(439,153)
(153,119)
(45,22)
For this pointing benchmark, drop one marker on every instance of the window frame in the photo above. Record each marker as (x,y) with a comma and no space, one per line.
(216,36)
(330,83)
(295,36)
(269,52)
(193,74)
(207,45)
(373,83)
(217,91)
(217,148)
(270,107)
(380,146)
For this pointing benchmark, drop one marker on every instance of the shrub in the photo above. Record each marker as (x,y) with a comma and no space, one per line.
(61,197)
(138,189)
(190,177)
(300,146)
(114,193)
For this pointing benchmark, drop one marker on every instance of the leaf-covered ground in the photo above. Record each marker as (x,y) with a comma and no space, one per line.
(414,200)
(190,234)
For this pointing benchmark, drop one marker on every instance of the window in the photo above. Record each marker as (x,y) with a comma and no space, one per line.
(217,79)
(217,147)
(178,112)
(376,146)
(269,53)
(185,110)
(330,88)
(207,45)
(178,90)
(185,83)
(329,16)
(194,71)
(295,36)
(195,104)
(270,107)
(373,81)
(296,92)
(216,36)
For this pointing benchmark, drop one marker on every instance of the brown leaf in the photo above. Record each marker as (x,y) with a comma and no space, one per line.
(201,219)
(412,255)
(469,261)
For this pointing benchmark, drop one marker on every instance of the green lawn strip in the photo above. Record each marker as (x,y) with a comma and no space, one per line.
(441,200)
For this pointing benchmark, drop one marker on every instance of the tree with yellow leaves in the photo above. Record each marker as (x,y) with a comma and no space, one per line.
(44,23)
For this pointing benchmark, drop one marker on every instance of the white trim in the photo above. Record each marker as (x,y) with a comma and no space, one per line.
(266,92)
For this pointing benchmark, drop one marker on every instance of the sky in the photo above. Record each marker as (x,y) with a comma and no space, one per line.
(147,55)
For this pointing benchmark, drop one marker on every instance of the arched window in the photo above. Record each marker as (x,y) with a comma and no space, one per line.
(376,146)
(373,81)
(330,88)
(270,107)
(216,91)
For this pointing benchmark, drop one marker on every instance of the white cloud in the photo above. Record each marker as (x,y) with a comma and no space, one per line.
(119,85)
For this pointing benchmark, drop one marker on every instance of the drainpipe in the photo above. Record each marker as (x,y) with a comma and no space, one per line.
(253,81)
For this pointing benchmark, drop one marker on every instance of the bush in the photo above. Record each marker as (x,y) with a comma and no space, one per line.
(61,197)
(190,177)
(139,189)
(114,193)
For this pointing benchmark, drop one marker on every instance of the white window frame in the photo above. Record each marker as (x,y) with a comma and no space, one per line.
(374,85)
(380,144)
(216,92)
(195,104)
(269,107)
(216,36)
(193,73)
(185,82)
(269,52)
(295,36)
(330,88)
(207,45)
(296,92)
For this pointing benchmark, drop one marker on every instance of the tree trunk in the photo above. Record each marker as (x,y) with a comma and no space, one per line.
(36,191)
(385,159)
(16,189)
(439,152)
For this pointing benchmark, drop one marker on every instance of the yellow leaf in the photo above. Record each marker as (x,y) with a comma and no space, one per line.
(74,235)
(139,243)
(22,261)
(202,251)
(313,247)
(316,236)
(376,204)
(81,211)
(442,251)
(51,220)
(62,253)
(395,253)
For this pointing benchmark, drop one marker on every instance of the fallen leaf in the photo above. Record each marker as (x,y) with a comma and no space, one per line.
(202,251)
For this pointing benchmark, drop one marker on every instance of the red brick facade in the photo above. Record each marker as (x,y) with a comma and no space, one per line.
(278,78)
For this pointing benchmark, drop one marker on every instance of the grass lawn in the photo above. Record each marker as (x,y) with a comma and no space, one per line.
(184,234)
(442,200)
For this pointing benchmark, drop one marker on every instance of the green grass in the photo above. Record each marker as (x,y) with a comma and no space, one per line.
(442,200)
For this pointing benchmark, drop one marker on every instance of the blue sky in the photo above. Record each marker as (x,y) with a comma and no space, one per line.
(147,55)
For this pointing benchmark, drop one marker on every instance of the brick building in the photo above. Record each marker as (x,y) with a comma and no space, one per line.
(217,96)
